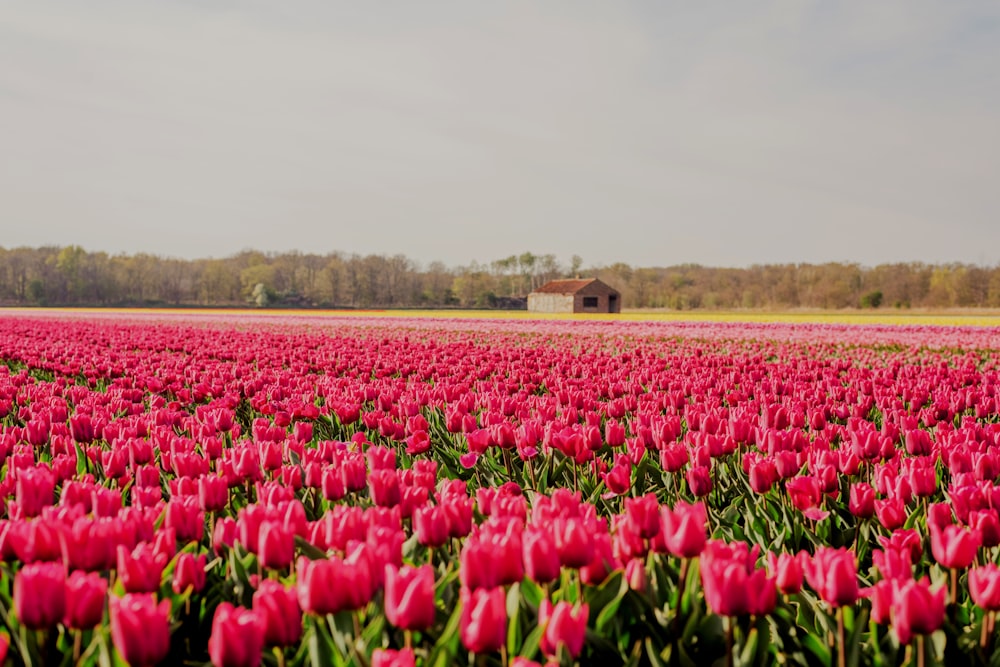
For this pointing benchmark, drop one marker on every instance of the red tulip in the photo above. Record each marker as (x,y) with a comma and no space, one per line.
(732,585)
(987,524)
(832,573)
(140,629)
(574,540)
(984,585)
(762,476)
(685,528)
(881,596)
(213,493)
(279,612)
(787,570)
(34,490)
(431,525)
(186,518)
(644,513)
(862,501)
(275,546)
(409,597)
(541,557)
(635,575)
(383,486)
(603,563)
(562,625)
(618,480)
(953,546)
(916,610)
(40,595)
(189,573)
(891,513)
(85,596)
(141,570)
(329,586)
(237,637)
(383,657)
(224,535)
(699,479)
(484,619)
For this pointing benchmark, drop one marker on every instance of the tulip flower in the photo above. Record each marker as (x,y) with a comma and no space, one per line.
(862,501)
(732,585)
(891,513)
(189,573)
(384,488)
(141,570)
(278,609)
(685,528)
(787,570)
(140,628)
(699,479)
(644,513)
(832,573)
(409,597)
(984,586)
(916,610)
(237,637)
(275,546)
(383,657)
(187,520)
(881,596)
(329,586)
(618,480)
(541,557)
(954,547)
(40,595)
(762,476)
(431,525)
(224,535)
(563,624)
(574,540)
(85,597)
(483,622)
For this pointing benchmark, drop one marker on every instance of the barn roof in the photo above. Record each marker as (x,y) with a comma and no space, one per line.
(567,286)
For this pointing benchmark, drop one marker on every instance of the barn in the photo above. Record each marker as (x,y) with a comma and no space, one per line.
(575,296)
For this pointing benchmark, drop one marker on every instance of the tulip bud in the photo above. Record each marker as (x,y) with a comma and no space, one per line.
(279,611)
(85,596)
(562,625)
(40,595)
(685,528)
(384,657)
(409,597)
(140,628)
(237,637)
(484,619)
(189,573)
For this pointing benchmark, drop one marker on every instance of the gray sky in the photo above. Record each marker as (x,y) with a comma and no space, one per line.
(723,133)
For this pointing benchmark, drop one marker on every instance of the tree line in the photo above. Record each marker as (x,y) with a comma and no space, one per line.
(72,276)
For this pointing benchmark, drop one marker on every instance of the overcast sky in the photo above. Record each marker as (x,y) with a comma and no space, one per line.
(722,133)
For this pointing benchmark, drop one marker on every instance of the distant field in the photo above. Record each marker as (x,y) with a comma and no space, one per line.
(892,317)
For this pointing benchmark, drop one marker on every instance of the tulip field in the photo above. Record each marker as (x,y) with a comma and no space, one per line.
(242,490)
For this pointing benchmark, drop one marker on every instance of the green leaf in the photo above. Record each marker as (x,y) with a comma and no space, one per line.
(530,646)
(514,632)
(532,593)
(817,647)
(749,651)
(446,646)
(321,650)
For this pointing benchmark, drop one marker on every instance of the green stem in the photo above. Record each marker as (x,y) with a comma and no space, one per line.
(730,657)
(841,643)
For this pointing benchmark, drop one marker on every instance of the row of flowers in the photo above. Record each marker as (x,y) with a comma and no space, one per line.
(382,495)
